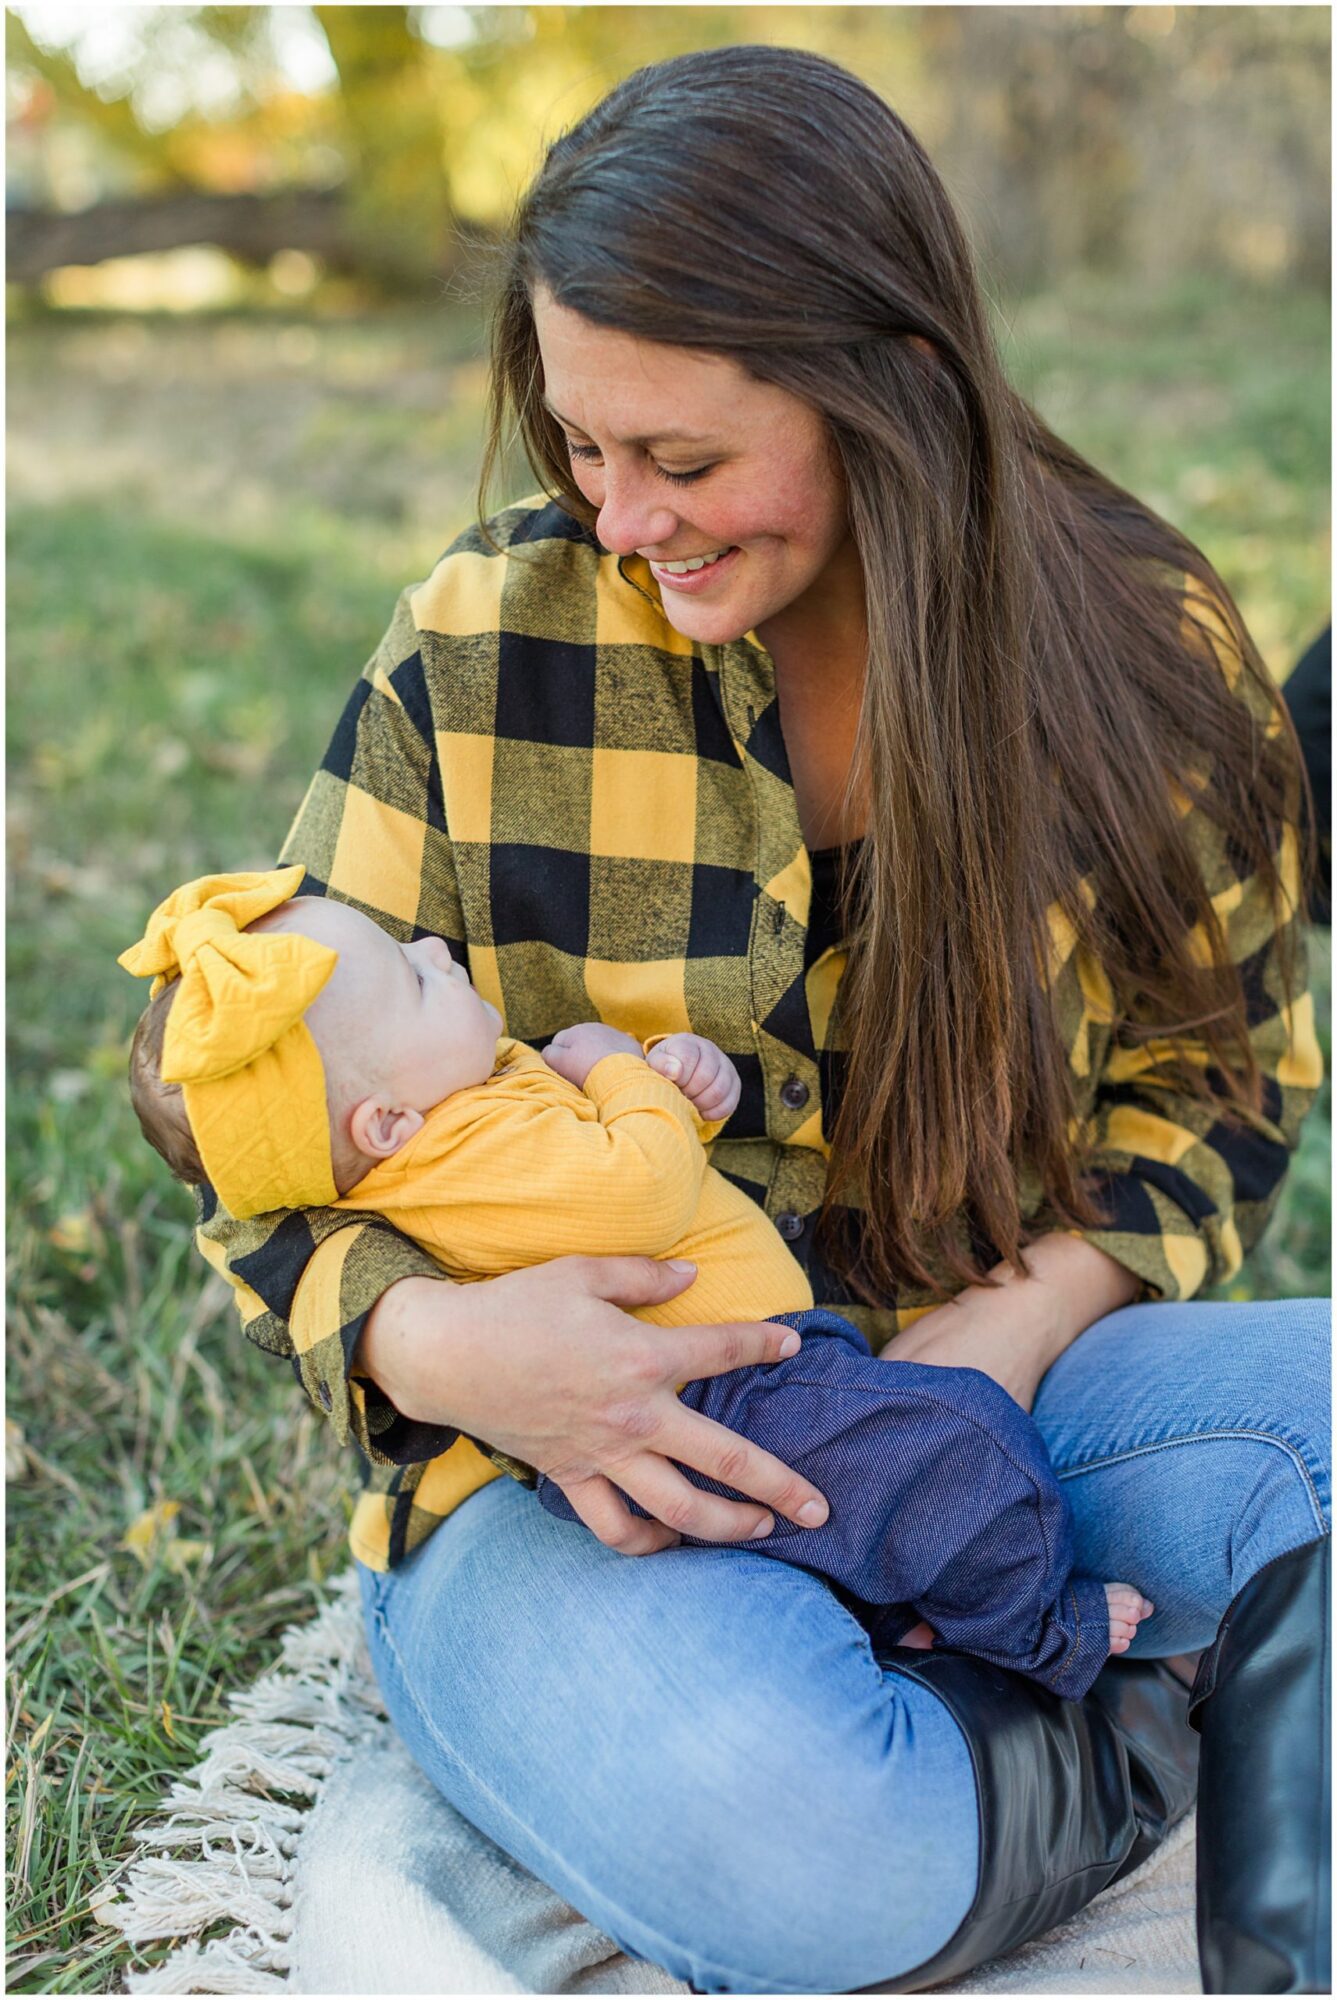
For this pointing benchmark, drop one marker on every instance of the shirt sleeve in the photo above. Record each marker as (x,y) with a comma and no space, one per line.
(371,830)
(626,1183)
(1188,1187)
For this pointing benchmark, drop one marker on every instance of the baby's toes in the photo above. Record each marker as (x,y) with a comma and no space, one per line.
(1127,1608)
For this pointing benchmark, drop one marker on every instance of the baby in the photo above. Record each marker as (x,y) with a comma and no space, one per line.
(294,1054)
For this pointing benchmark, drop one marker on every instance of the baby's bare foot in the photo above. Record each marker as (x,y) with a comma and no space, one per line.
(919,1636)
(1127,1608)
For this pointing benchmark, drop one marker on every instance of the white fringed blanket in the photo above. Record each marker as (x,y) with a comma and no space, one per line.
(268,1838)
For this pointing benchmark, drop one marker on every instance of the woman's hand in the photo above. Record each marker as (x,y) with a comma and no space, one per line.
(547,1365)
(951,1337)
(1015,1331)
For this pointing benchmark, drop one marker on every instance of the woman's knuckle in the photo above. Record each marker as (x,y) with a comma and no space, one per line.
(732,1351)
(678,1512)
(630,1418)
(791,1496)
(732,1463)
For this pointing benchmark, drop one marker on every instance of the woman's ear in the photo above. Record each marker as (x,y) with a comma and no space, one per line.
(379,1129)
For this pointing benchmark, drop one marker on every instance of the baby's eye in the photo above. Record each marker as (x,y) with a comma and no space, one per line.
(422,983)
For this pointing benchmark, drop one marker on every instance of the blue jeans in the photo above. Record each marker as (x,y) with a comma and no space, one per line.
(700,1749)
(944,1505)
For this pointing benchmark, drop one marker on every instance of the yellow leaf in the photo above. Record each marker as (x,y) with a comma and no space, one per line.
(142,1534)
(39,1735)
(73,1232)
(166,1712)
(179,1555)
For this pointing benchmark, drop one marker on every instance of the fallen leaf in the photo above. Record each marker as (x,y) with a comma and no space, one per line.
(142,1535)
(73,1232)
(179,1555)
(16,1455)
(100,1902)
(166,1711)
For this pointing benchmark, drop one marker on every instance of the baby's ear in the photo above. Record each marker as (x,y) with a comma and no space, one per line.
(380,1129)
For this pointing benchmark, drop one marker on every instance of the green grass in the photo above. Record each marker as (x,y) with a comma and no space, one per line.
(209,522)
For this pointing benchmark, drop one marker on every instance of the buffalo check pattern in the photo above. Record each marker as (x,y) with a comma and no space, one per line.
(597,814)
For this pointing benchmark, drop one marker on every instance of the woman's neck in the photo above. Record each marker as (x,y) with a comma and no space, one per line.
(819,647)
(823,635)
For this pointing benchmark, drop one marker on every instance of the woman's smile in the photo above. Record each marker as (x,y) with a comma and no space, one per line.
(682,452)
(693,580)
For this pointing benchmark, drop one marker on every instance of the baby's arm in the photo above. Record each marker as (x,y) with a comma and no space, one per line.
(699,1068)
(618,1175)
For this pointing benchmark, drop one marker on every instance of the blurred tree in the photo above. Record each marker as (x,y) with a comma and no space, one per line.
(389,110)
(1142,138)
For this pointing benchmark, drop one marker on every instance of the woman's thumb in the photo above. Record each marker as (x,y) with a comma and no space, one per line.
(640,1281)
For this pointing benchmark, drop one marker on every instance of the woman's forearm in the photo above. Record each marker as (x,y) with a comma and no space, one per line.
(387,1351)
(1016,1330)
(1071,1284)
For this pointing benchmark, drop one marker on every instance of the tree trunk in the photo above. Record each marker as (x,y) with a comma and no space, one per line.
(251,227)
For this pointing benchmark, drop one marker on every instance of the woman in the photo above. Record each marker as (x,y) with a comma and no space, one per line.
(833,708)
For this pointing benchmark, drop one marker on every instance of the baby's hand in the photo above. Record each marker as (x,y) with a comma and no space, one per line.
(573,1052)
(702,1072)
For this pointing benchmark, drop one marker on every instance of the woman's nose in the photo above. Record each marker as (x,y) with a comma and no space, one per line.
(632,518)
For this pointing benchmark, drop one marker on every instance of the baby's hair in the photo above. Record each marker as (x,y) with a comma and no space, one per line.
(161,1107)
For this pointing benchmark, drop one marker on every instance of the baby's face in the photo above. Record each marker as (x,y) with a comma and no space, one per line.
(401,1020)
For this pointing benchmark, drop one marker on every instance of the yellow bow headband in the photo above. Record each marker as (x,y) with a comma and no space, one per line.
(236,1041)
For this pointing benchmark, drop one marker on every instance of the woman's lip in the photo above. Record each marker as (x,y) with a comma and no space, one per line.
(694,579)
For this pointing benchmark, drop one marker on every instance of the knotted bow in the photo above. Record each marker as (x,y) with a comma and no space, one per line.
(236,1040)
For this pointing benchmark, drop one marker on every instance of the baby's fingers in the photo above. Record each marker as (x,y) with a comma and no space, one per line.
(718,1097)
(677,1058)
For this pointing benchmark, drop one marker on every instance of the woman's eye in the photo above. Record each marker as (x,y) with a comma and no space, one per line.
(684,478)
(675,478)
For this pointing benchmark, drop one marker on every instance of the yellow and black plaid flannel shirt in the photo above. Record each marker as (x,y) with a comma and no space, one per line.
(597,814)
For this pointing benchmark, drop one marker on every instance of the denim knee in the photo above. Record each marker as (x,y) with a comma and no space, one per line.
(851,1857)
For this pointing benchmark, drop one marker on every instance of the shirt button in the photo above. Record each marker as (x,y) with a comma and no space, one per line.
(794,1093)
(789,1225)
(326,1396)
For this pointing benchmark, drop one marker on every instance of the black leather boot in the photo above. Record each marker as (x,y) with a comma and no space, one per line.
(1261,1702)
(1072,1794)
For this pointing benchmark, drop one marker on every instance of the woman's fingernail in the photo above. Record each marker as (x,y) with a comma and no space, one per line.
(812,1513)
(680,1264)
(762,1528)
(789,1345)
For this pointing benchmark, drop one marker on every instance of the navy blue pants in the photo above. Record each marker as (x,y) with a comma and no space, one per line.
(943,1502)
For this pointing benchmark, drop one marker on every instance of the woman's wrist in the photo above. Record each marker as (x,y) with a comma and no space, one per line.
(1015,1330)
(1069,1284)
(388,1350)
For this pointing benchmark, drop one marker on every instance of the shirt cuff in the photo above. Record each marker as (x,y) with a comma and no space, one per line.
(344,1278)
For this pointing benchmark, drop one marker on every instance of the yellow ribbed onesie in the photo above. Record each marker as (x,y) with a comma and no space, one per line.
(525,1167)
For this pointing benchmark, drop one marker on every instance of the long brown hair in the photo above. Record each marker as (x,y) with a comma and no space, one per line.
(1042,696)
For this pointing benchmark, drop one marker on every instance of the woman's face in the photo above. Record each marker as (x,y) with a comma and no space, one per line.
(763,486)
